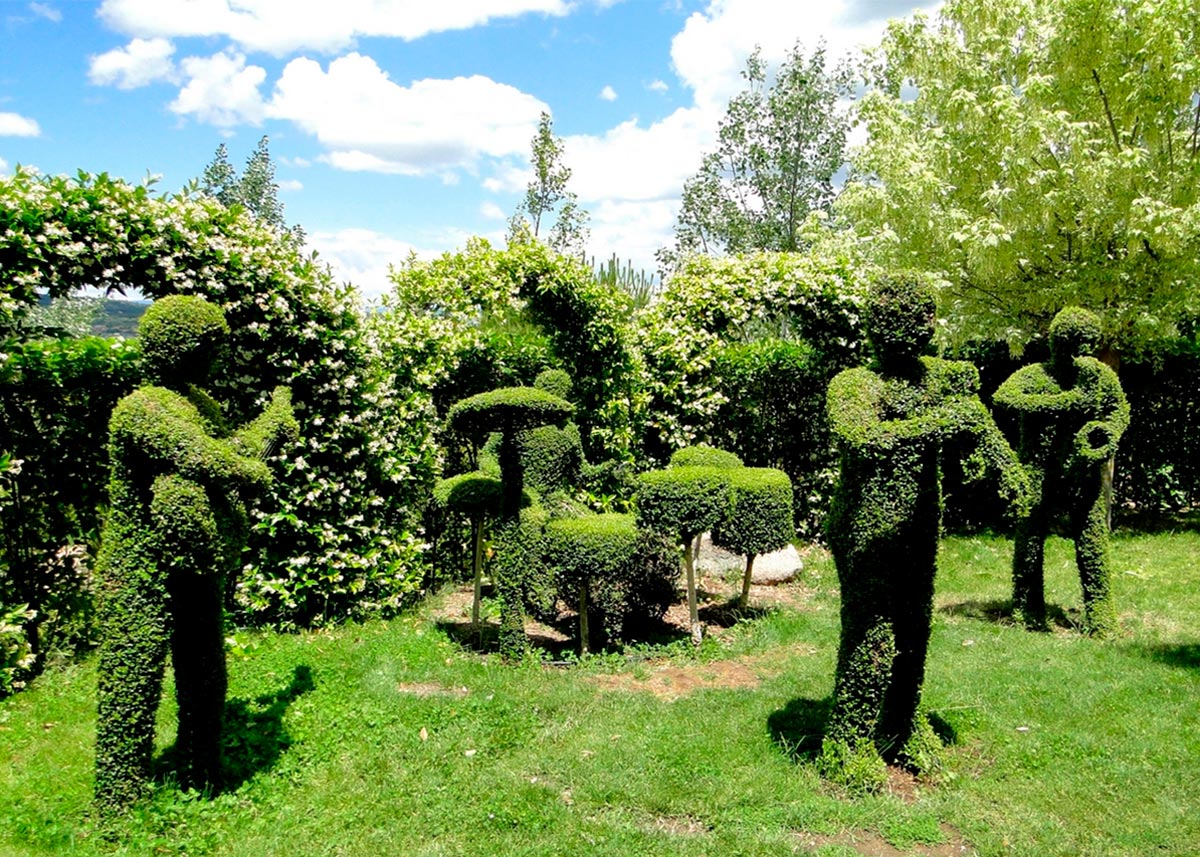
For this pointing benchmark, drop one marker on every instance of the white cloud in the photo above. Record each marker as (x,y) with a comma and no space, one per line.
(45,10)
(281,27)
(221,90)
(361,256)
(287,185)
(509,177)
(16,125)
(294,162)
(139,63)
(608,94)
(366,121)
(657,86)
(632,230)
(492,211)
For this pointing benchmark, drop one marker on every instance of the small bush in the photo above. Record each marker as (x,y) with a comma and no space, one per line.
(555,381)
(760,512)
(16,655)
(185,333)
(703,455)
(474,495)
(683,501)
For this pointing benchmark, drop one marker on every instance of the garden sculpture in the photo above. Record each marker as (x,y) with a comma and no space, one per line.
(511,411)
(176,528)
(891,423)
(1072,413)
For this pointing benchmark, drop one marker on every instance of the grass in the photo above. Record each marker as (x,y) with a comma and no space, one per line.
(389,738)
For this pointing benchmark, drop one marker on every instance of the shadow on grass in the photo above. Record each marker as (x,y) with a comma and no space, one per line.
(253,736)
(1182,655)
(799,727)
(1155,523)
(726,614)
(999,611)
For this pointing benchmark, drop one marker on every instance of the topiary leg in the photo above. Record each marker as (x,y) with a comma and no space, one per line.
(1029,596)
(1090,531)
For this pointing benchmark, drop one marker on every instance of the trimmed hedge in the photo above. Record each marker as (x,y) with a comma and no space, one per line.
(759,519)
(703,455)
(1072,413)
(508,409)
(182,337)
(683,501)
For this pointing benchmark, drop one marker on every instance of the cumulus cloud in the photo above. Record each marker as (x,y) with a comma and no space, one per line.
(45,10)
(492,211)
(367,121)
(281,27)
(657,86)
(141,62)
(221,90)
(608,94)
(16,125)
(290,185)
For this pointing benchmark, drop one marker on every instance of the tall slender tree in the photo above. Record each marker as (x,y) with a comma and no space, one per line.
(547,197)
(255,189)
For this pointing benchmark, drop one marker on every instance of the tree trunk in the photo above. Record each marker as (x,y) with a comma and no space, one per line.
(583,617)
(691,548)
(477,537)
(1111,358)
(745,597)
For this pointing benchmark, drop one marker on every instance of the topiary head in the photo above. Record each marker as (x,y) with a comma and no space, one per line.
(181,337)
(1075,332)
(899,317)
(555,381)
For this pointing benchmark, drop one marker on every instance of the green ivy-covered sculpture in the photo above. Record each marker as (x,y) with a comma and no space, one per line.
(176,527)
(891,423)
(1072,413)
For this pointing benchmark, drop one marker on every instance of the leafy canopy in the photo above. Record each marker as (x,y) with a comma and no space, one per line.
(547,197)
(1050,157)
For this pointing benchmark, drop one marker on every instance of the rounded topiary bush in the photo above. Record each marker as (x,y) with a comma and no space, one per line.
(182,337)
(508,409)
(473,495)
(759,518)
(703,455)
(555,381)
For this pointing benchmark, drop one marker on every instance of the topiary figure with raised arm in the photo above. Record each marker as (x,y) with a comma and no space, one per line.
(1072,413)
(891,422)
(510,411)
(176,526)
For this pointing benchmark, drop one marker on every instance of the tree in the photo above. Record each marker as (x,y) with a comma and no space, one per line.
(255,190)
(779,146)
(547,196)
(1050,157)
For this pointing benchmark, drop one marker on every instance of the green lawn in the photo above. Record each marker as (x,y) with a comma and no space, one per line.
(389,738)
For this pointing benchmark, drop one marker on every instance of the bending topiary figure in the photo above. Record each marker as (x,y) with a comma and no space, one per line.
(1072,413)
(684,502)
(176,526)
(759,518)
(510,411)
(891,422)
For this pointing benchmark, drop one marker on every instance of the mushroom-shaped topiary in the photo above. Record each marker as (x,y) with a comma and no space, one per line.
(703,455)
(509,410)
(759,518)
(588,550)
(684,502)
(475,496)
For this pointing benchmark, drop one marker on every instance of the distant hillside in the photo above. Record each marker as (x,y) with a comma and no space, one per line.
(118,318)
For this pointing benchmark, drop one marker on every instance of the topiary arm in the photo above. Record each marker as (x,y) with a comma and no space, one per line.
(1097,440)
(1031,390)
(990,451)
(853,403)
(274,426)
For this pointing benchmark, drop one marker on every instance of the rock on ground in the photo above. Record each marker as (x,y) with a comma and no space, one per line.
(769,568)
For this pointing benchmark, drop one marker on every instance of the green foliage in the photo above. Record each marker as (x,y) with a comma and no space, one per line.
(16,655)
(703,455)
(709,304)
(884,525)
(779,145)
(334,534)
(552,457)
(547,196)
(1072,413)
(683,501)
(475,495)
(522,577)
(759,519)
(507,410)
(255,190)
(556,382)
(55,399)
(1033,155)
(182,337)
(630,574)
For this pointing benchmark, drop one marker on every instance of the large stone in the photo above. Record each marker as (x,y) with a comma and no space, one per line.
(769,568)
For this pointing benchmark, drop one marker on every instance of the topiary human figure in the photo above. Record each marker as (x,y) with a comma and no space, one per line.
(684,502)
(891,422)
(1072,413)
(759,518)
(176,525)
(510,411)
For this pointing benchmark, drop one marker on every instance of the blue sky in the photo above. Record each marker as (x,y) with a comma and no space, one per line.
(398,125)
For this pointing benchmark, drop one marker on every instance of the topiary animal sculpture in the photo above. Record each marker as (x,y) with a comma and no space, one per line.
(891,422)
(759,519)
(510,411)
(684,502)
(1072,413)
(176,527)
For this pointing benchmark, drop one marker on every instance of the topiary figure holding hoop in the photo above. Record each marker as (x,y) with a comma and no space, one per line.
(1072,413)
(510,411)
(176,527)
(891,422)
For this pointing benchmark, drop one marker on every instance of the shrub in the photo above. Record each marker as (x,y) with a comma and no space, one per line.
(703,455)
(555,381)
(759,519)
(16,655)
(684,502)
(477,497)
(507,411)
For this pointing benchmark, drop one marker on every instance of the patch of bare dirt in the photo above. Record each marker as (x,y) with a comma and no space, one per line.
(425,689)
(677,825)
(873,845)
